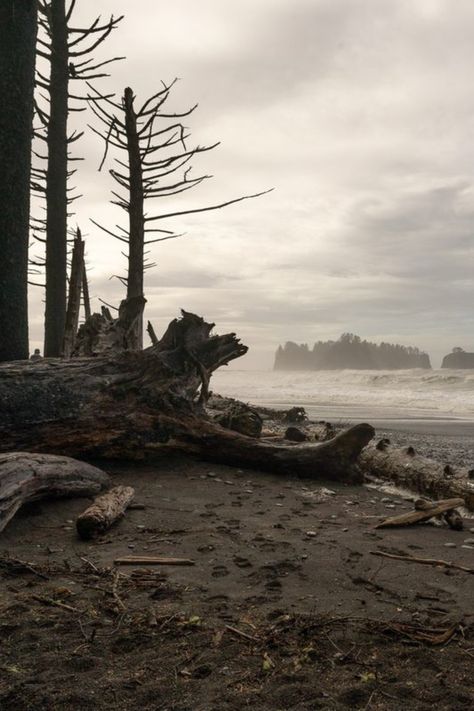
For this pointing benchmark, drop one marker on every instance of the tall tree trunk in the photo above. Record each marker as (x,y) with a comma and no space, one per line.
(18,23)
(136,216)
(74,299)
(56,185)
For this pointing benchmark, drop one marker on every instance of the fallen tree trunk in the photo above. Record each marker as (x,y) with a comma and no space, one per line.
(129,405)
(407,469)
(104,512)
(336,459)
(26,477)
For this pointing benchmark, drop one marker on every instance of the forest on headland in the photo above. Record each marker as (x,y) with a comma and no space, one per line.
(350,352)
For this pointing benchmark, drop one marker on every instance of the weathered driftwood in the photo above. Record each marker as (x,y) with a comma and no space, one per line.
(405,468)
(152,560)
(408,519)
(336,459)
(130,405)
(26,477)
(104,512)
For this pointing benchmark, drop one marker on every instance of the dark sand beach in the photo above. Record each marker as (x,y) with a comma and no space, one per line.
(287,604)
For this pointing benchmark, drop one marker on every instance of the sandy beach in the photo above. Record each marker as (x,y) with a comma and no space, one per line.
(288,604)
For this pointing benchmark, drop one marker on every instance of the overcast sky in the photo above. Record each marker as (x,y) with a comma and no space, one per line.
(360,113)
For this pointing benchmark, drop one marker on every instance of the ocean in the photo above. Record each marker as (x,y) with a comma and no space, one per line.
(418,401)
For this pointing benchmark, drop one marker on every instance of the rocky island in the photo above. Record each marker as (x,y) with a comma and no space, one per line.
(458,358)
(350,352)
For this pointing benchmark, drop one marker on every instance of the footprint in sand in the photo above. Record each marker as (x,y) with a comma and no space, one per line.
(241,562)
(219,571)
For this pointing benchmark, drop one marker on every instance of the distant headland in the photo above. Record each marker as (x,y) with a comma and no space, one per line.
(350,352)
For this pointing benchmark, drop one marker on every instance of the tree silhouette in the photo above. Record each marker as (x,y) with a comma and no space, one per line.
(69,51)
(157,165)
(18,25)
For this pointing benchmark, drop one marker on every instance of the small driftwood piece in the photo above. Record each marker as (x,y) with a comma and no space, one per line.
(424,561)
(152,560)
(406,468)
(104,512)
(408,519)
(26,477)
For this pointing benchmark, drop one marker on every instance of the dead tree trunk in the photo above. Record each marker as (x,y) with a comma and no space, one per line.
(56,183)
(136,236)
(85,291)
(405,468)
(18,23)
(74,299)
(138,403)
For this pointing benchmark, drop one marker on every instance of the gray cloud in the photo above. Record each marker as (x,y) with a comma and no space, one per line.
(360,114)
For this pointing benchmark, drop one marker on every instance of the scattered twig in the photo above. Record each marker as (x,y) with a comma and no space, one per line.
(54,603)
(424,561)
(14,565)
(239,633)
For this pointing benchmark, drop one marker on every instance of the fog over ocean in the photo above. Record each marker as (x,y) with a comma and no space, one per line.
(422,401)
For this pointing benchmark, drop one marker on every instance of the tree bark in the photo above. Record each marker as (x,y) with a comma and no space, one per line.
(137,404)
(56,184)
(18,25)
(104,512)
(136,238)
(26,477)
(407,469)
(74,299)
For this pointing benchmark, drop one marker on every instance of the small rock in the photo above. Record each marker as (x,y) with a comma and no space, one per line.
(311,534)
(389,506)
(293,434)
(450,545)
(344,530)
(131,545)
(211,474)
(471,548)
(385,499)
(469,540)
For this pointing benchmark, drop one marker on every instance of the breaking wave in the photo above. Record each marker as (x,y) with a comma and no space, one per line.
(401,393)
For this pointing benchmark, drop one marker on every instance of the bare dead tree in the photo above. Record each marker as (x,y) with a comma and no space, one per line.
(157,165)
(74,298)
(69,54)
(18,25)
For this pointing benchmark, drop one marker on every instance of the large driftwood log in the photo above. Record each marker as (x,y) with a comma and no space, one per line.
(129,405)
(405,468)
(336,459)
(104,512)
(26,477)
